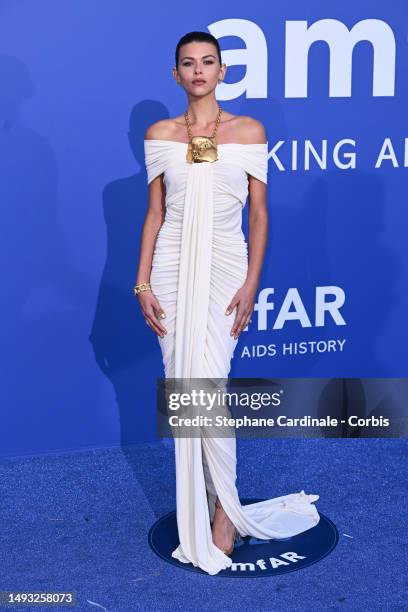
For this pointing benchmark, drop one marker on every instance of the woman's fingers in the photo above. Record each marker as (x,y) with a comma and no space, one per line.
(241,321)
(231,305)
(153,322)
(159,313)
(153,313)
(158,309)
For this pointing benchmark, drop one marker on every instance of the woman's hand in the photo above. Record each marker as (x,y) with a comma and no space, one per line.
(152,311)
(244,299)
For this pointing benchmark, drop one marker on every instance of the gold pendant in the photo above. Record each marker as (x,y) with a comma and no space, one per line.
(202,149)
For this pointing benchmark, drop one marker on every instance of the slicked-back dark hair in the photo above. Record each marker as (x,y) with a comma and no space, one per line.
(197,37)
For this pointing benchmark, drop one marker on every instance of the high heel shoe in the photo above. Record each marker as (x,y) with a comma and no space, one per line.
(235,536)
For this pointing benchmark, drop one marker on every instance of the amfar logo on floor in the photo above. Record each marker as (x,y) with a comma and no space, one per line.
(299,37)
(252,557)
(286,558)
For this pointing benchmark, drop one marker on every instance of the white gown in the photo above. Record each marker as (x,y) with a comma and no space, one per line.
(200,260)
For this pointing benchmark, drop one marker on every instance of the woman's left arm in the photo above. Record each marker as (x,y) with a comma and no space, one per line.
(244,299)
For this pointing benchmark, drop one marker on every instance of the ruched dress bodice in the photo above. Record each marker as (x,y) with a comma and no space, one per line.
(201,250)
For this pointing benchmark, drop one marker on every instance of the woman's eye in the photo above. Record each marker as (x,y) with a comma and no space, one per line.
(205,62)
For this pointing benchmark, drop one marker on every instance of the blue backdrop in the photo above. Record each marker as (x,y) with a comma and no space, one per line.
(80,82)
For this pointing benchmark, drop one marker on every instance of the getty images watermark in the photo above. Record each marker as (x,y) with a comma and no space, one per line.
(266,408)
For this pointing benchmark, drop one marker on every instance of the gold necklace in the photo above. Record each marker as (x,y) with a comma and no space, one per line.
(202,148)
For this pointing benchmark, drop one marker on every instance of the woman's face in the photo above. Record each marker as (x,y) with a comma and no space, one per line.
(199,68)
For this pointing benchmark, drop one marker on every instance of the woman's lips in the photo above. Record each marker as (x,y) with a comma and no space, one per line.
(198,82)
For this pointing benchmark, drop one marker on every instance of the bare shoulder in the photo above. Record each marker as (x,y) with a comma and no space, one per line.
(161,130)
(250,130)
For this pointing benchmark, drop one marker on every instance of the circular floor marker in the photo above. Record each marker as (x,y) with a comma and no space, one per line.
(253,558)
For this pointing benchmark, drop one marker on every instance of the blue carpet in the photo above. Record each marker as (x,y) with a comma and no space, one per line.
(79,521)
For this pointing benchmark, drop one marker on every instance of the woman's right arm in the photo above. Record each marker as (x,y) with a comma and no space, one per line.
(149,304)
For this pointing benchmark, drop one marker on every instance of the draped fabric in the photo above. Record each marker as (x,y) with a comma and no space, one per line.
(200,260)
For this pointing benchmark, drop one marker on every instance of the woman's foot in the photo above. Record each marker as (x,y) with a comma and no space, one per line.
(223,530)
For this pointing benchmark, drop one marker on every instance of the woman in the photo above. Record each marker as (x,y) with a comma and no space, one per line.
(193,275)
